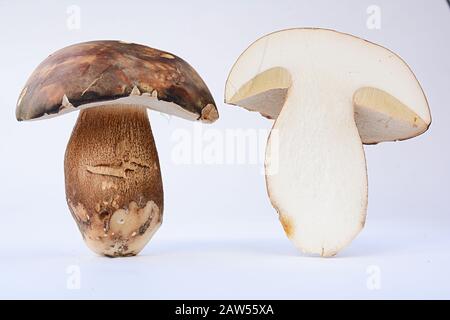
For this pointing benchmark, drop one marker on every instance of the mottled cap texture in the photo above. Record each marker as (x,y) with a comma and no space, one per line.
(98,71)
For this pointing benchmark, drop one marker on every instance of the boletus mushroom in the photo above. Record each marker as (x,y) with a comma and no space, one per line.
(329,93)
(112,174)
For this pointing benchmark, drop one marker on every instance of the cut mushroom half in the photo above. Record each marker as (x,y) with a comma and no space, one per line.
(112,173)
(329,93)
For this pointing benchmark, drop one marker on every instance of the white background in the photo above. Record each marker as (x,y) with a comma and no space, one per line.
(220,237)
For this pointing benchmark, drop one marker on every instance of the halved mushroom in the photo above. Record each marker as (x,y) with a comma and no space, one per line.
(112,173)
(328,92)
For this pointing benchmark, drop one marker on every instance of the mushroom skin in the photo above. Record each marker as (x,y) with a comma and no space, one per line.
(92,73)
(113,180)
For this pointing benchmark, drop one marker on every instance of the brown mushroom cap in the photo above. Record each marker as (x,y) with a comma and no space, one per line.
(94,73)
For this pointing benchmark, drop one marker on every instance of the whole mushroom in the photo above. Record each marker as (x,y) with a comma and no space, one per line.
(112,174)
(329,93)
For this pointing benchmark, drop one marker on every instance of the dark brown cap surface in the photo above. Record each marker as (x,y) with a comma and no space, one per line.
(100,71)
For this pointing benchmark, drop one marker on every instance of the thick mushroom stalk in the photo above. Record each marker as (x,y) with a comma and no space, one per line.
(329,93)
(113,179)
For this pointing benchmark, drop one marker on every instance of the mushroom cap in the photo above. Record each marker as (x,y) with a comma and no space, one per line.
(388,101)
(97,73)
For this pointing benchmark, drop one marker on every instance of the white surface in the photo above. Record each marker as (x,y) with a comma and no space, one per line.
(221,237)
(412,260)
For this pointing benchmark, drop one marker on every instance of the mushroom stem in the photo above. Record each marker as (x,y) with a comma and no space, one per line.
(322,202)
(113,179)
